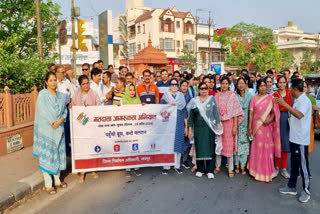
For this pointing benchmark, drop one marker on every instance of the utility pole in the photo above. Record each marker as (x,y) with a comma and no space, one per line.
(39,30)
(73,38)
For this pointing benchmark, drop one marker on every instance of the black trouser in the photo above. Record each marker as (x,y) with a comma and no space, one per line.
(299,161)
(67,132)
(206,166)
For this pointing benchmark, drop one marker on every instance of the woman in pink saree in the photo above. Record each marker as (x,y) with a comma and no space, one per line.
(264,127)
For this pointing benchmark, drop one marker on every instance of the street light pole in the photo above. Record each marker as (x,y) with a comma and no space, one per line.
(73,38)
(39,30)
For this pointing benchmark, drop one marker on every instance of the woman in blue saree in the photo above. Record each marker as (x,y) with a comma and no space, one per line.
(48,135)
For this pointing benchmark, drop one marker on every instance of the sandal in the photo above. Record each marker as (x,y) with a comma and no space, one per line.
(216,170)
(95,175)
(231,174)
(243,171)
(50,190)
(237,169)
(193,169)
(81,179)
(62,185)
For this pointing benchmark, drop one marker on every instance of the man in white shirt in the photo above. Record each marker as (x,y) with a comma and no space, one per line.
(107,87)
(71,77)
(95,85)
(63,84)
(299,138)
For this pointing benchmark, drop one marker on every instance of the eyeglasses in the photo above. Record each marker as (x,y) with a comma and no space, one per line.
(85,69)
(205,88)
(158,76)
(174,84)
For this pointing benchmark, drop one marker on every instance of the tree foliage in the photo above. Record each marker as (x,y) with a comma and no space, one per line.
(188,58)
(251,44)
(307,65)
(287,59)
(20,68)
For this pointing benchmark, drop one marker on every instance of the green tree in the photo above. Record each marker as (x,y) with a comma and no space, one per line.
(307,65)
(287,59)
(250,43)
(20,68)
(188,58)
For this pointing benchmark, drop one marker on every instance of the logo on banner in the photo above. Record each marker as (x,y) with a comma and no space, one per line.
(97,149)
(82,118)
(135,147)
(153,146)
(116,148)
(165,115)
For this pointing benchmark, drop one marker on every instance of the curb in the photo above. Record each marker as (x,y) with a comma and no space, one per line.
(20,190)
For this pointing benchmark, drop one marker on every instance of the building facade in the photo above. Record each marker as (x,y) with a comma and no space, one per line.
(295,40)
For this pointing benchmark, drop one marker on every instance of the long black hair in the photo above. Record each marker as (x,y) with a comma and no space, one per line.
(260,81)
(236,87)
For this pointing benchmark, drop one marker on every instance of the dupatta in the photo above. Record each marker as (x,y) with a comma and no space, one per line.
(266,105)
(130,100)
(288,99)
(179,100)
(91,98)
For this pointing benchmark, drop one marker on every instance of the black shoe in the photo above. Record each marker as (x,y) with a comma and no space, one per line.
(186,165)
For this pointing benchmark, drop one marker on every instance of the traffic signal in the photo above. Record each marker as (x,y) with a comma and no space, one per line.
(63,37)
(81,37)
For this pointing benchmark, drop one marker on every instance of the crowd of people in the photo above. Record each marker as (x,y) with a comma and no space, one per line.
(254,121)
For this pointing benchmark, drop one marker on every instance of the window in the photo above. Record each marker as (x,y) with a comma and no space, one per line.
(144,28)
(132,49)
(178,24)
(178,44)
(139,29)
(161,44)
(167,27)
(188,28)
(189,44)
(139,47)
(168,44)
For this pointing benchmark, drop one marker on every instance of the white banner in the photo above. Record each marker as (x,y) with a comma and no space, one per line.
(129,136)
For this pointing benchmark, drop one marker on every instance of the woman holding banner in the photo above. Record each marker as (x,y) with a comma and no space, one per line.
(174,97)
(85,97)
(204,122)
(131,98)
(48,133)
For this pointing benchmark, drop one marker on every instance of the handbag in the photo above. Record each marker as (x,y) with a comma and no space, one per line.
(316,120)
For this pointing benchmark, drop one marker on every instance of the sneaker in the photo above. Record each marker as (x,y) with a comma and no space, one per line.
(179,171)
(137,172)
(199,174)
(210,175)
(288,191)
(128,175)
(285,173)
(277,171)
(165,171)
(186,165)
(304,197)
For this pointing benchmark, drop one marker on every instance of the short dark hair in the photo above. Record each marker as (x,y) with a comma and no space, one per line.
(85,64)
(170,74)
(163,70)
(287,70)
(94,64)
(183,81)
(146,71)
(108,73)
(229,74)
(247,78)
(99,61)
(110,66)
(122,80)
(189,77)
(48,74)
(205,77)
(173,79)
(122,67)
(81,78)
(253,73)
(129,74)
(269,72)
(298,84)
(176,72)
(244,70)
(294,75)
(50,65)
(95,71)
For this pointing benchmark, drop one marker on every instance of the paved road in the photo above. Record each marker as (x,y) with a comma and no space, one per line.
(154,193)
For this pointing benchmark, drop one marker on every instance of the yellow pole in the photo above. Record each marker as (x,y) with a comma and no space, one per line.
(73,39)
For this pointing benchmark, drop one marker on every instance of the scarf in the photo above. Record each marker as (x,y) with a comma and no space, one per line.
(130,100)
(91,98)
(288,99)
(179,100)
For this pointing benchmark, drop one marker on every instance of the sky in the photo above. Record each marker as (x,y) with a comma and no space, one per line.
(226,13)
